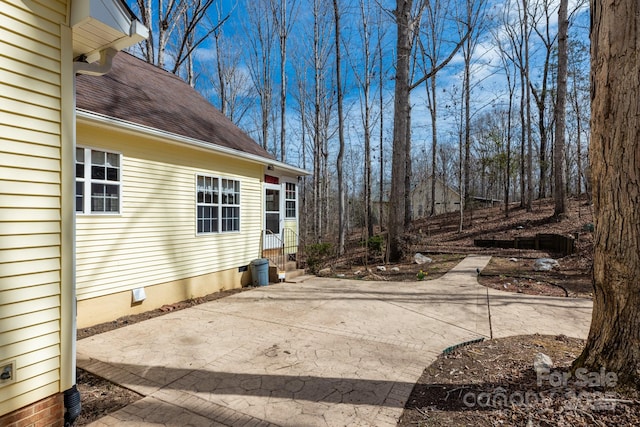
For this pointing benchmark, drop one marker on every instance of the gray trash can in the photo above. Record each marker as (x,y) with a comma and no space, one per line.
(260,272)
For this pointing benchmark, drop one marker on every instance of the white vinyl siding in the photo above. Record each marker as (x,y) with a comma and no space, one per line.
(155,239)
(30,197)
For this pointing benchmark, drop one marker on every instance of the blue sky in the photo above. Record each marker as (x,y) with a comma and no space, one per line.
(487,80)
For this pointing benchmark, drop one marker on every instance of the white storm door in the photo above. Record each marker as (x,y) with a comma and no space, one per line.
(272,217)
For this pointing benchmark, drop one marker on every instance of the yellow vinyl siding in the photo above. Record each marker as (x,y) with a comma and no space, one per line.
(27,162)
(30,197)
(33,123)
(17,255)
(153,240)
(21,321)
(31,306)
(30,27)
(40,80)
(38,99)
(17,134)
(291,239)
(50,10)
(291,224)
(32,43)
(35,112)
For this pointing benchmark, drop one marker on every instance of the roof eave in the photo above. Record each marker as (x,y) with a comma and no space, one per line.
(102,24)
(134,128)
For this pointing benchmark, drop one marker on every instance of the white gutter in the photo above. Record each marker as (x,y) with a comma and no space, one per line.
(96,68)
(134,128)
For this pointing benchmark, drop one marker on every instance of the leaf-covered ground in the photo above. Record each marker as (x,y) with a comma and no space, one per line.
(494,383)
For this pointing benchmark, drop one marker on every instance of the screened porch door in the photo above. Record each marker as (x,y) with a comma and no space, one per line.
(272,217)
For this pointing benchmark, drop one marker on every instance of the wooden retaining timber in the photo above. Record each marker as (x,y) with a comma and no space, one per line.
(542,241)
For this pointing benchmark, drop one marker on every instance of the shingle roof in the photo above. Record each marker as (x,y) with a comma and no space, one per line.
(141,93)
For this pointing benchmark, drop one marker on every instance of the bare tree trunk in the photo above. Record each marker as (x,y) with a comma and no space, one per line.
(472,13)
(283,17)
(523,140)
(516,36)
(260,28)
(507,58)
(381,136)
(367,67)
(467,122)
(507,180)
(529,198)
(317,135)
(406,26)
(169,14)
(543,163)
(436,11)
(368,217)
(305,219)
(163,28)
(543,30)
(579,148)
(613,340)
(221,80)
(339,161)
(408,172)
(146,15)
(461,166)
(578,114)
(400,129)
(434,144)
(283,34)
(189,40)
(560,113)
(326,187)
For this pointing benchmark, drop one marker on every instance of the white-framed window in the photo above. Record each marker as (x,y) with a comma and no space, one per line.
(218,204)
(290,198)
(98,181)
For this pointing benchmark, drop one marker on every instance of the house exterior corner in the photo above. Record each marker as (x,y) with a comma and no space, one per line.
(37,138)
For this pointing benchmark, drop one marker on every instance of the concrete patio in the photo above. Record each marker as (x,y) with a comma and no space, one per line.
(321,352)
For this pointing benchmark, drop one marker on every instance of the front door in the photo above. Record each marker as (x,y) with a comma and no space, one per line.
(272,223)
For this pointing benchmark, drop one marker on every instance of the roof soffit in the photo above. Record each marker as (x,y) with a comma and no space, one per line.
(99,24)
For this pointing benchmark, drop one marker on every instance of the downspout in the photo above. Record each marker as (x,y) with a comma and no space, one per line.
(95,68)
(71,396)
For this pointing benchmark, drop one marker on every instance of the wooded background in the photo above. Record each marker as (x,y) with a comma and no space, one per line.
(378,97)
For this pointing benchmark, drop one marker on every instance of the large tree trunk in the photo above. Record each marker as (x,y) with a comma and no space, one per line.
(614,338)
(529,202)
(342,216)
(381,208)
(560,113)
(400,130)
(317,134)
